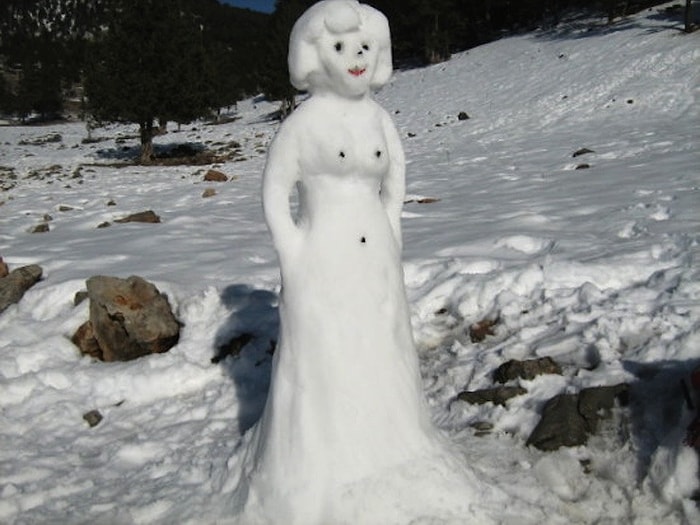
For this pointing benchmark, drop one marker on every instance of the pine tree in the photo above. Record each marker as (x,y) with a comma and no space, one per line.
(235,41)
(275,72)
(39,88)
(149,65)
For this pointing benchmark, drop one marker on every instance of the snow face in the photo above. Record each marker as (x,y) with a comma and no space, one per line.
(340,46)
(596,268)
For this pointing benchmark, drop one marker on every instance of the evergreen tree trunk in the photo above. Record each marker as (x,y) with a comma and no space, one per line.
(162,126)
(611,4)
(146,130)
(688,16)
(437,48)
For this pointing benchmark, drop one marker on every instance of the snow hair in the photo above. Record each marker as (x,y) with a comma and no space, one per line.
(335,17)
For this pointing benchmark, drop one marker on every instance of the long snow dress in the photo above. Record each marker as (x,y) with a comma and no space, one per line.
(345,417)
(345,397)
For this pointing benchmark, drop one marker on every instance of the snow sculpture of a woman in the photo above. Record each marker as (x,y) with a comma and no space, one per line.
(345,420)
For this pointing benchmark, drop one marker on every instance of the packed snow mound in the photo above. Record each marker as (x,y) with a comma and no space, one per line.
(596,267)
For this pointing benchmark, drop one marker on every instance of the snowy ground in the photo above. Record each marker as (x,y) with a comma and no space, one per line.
(597,268)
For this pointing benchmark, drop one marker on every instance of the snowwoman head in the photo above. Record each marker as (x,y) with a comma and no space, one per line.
(340,46)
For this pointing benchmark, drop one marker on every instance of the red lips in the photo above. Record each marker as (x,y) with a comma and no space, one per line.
(356,71)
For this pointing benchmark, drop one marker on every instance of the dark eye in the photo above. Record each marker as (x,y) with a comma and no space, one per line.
(338,46)
(365,47)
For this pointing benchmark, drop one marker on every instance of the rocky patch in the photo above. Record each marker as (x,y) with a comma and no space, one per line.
(568,419)
(8,178)
(582,151)
(49,138)
(49,173)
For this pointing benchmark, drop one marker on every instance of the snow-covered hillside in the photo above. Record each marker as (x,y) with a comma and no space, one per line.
(592,260)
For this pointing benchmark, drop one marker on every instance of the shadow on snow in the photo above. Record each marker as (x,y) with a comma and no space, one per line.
(244,347)
(585,26)
(173,150)
(658,407)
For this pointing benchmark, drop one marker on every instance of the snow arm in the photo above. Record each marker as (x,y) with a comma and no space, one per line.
(393,188)
(279,177)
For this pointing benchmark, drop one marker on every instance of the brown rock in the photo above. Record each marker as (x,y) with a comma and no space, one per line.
(423,200)
(130,318)
(93,417)
(41,228)
(209,192)
(528,369)
(215,176)
(84,339)
(479,331)
(497,395)
(144,216)
(18,281)
(79,297)
(4,269)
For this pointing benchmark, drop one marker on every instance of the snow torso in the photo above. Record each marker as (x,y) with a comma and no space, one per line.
(342,159)
(342,139)
(341,167)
